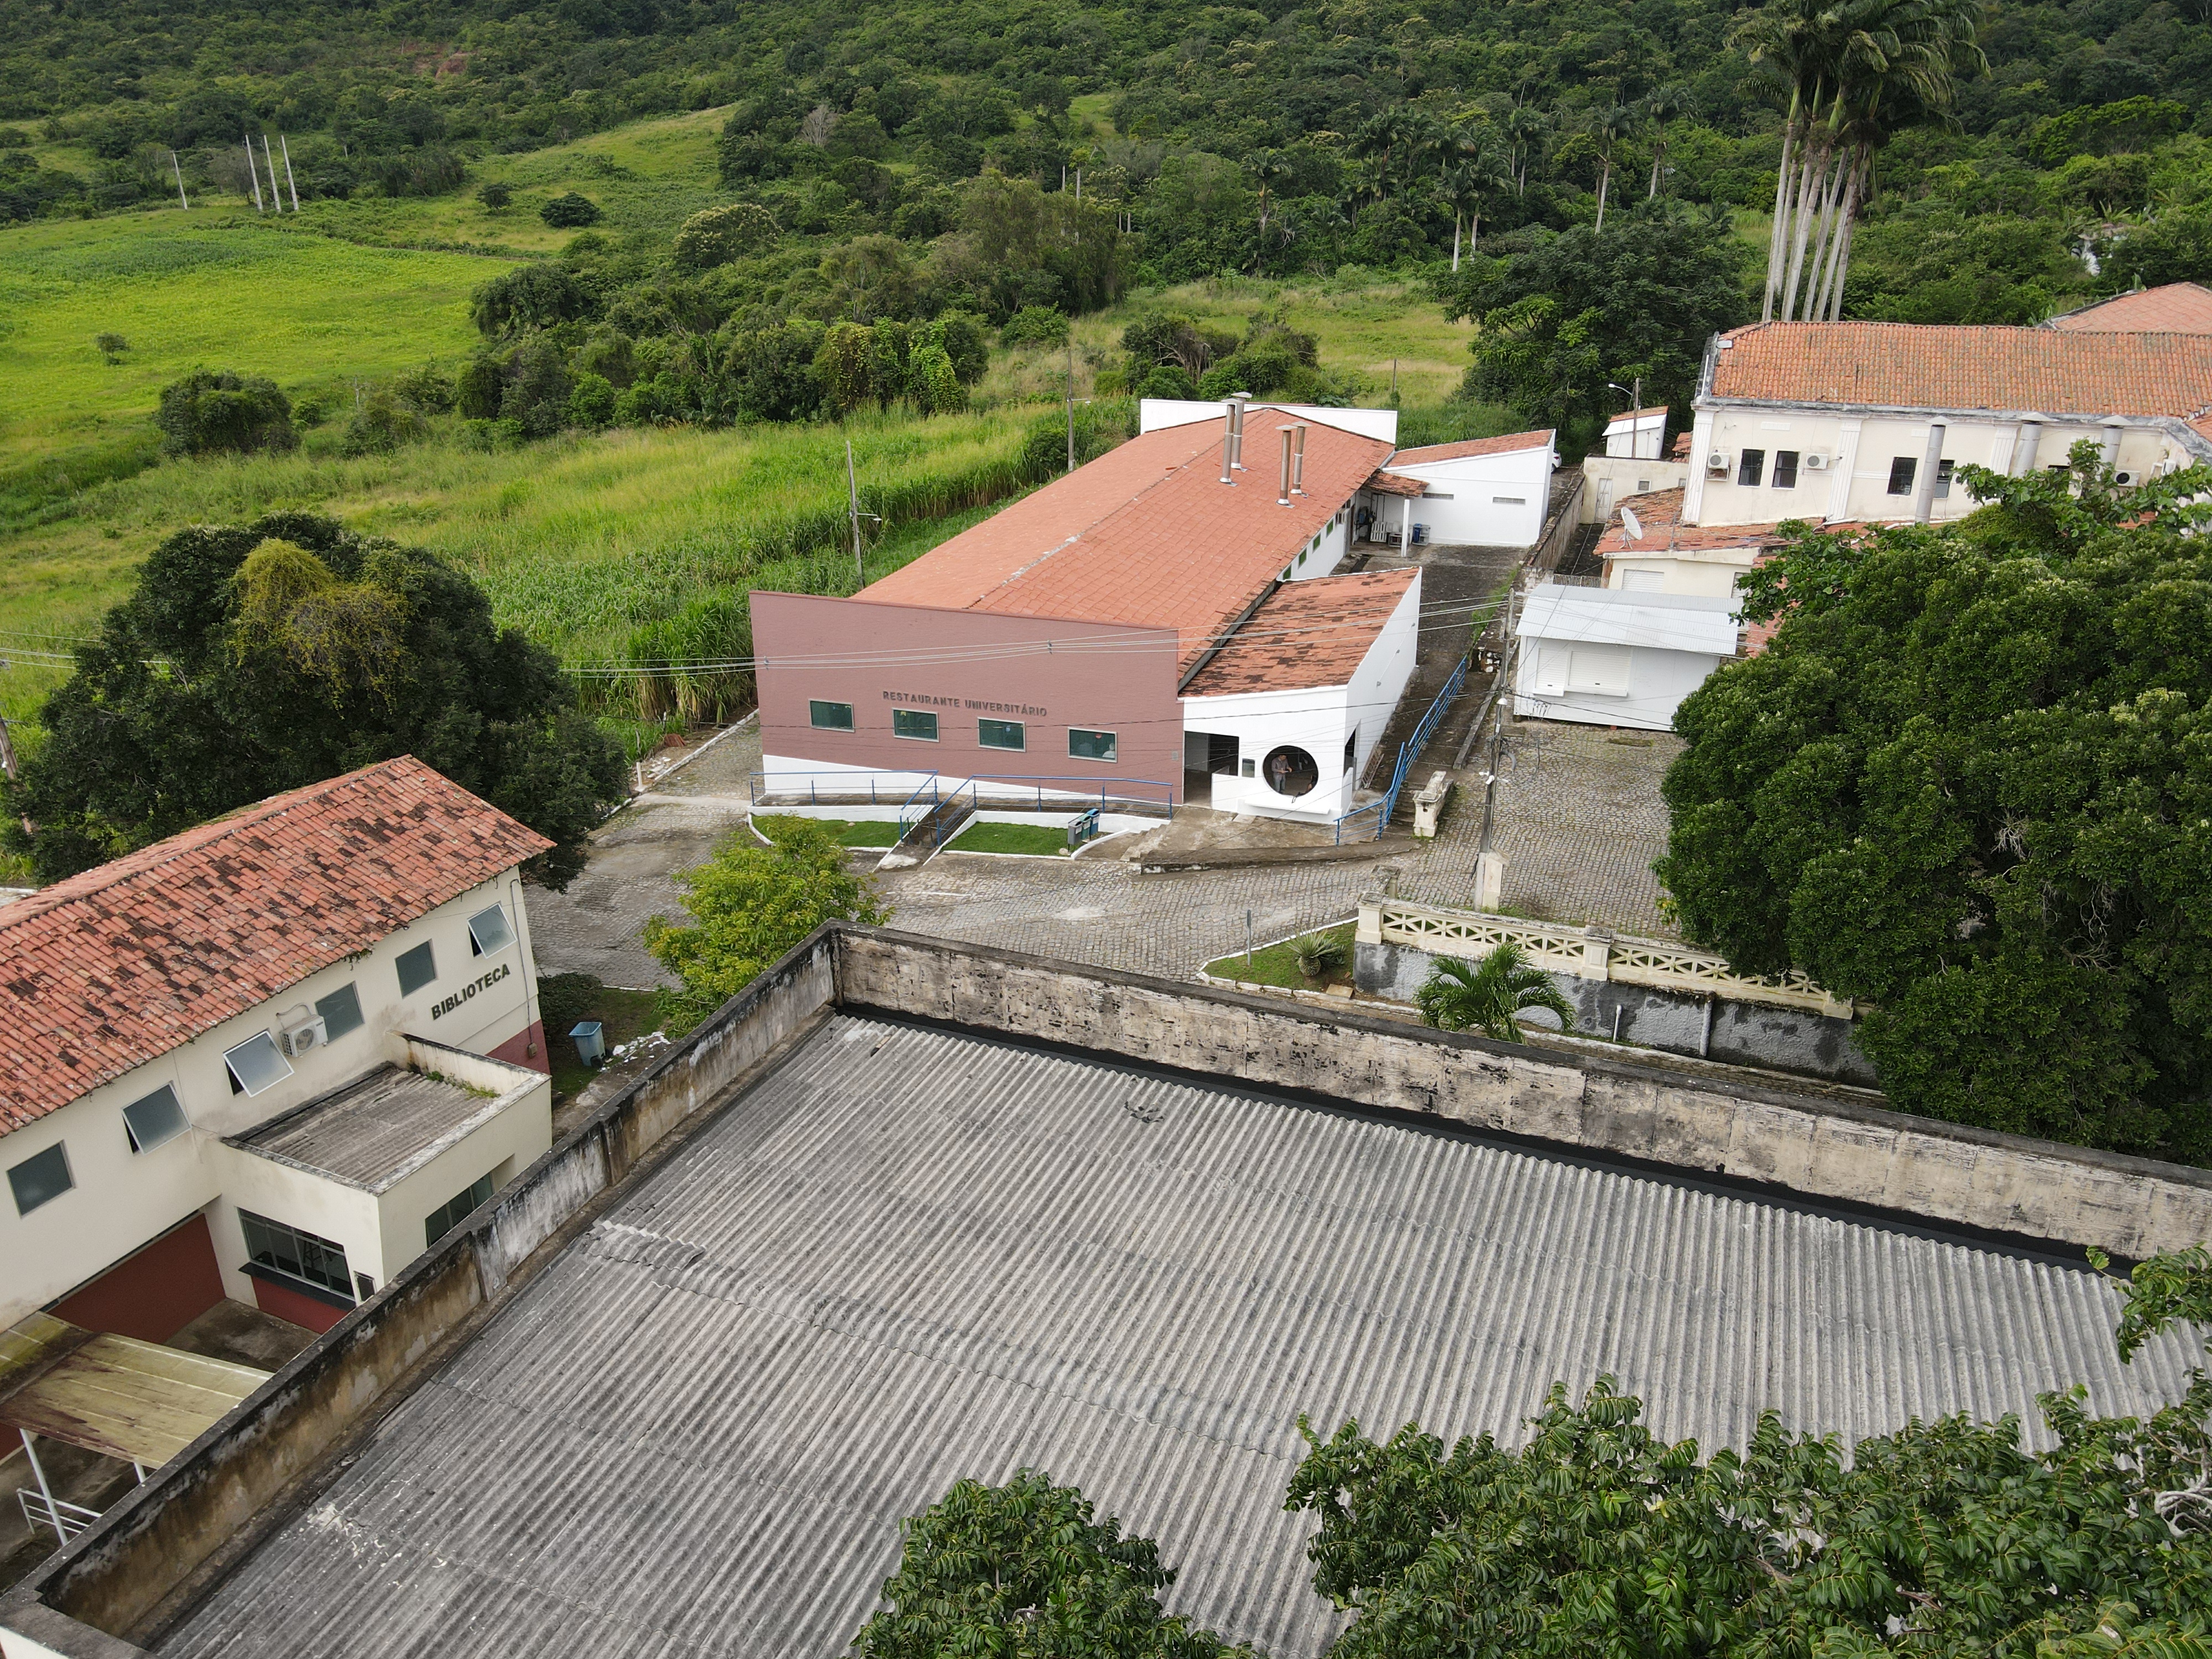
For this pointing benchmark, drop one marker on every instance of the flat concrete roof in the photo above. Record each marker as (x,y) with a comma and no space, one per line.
(908,1254)
(370,1132)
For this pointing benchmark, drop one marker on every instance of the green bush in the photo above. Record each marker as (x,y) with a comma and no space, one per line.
(538,389)
(716,235)
(1166,380)
(1035,325)
(477,389)
(495,193)
(592,401)
(383,423)
(570,212)
(530,296)
(206,414)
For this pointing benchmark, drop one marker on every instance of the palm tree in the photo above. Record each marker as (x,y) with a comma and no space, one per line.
(1608,126)
(1270,167)
(1525,130)
(1661,107)
(1465,188)
(1461,996)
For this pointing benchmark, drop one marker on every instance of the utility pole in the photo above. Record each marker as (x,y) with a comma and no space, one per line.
(852,503)
(253,172)
(1394,381)
(1071,402)
(286,145)
(180,172)
(276,193)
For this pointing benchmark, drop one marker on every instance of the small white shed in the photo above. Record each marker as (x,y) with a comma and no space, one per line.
(1486,492)
(1610,658)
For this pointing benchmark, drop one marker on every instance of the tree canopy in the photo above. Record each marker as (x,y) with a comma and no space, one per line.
(1969,783)
(749,904)
(258,658)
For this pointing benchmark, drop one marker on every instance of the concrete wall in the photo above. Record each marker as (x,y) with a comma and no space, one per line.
(1944,1174)
(1321,556)
(964,667)
(1612,479)
(1675,1021)
(123,1198)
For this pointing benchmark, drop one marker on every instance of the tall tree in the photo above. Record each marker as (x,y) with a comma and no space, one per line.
(252,660)
(1966,784)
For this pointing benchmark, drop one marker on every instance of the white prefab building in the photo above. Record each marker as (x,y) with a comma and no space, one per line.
(1637,435)
(1485,492)
(267,1060)
(1606,657)
(1284,718)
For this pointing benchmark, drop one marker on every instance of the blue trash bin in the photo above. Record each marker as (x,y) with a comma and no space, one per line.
(590,1048)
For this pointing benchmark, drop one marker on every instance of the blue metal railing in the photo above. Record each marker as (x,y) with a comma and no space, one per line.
(1383,810)
(914,809)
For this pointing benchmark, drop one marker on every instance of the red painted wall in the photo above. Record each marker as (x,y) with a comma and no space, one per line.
(153,1292)
(290,1304)
(517,1050)
(1127,687)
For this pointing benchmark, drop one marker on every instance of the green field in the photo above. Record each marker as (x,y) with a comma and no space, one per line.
(848,832)
(1034,840)
(1278,964)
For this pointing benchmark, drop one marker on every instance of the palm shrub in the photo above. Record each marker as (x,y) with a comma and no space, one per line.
(1317,953)
(1488,996)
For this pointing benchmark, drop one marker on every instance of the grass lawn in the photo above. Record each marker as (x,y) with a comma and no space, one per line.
(1276,965)
(849,832)
(578,997)
(1035,839)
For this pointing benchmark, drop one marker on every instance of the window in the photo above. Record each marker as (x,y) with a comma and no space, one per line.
(417,968)
(365,1285)
(255,1065)
(159,1117)
(830,716)
(455,1209)
(340,1012)
(1785,468)
(1508,501)
(1090,745)
(39,1177)
(1001,735)
(1943,478)
(1250,768)
(914,723)
(296,1255)
(1900,474)
(488,933)
(1751,467)
(1643,582)
(1352,749)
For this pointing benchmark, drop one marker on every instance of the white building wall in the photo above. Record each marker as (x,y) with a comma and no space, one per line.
(1712,574)
(1656,682)
(1318,719)
(122,1199)
(1325,552)
(1489,501)
(1860,449)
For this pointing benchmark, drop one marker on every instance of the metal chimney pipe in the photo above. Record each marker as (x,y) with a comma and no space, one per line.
(1298,458)
(1228,441)
(1237,400)
(1283,492)
(1923,504)
(2024,446)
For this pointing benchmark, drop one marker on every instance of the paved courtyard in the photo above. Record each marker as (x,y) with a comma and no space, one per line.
(1579,825)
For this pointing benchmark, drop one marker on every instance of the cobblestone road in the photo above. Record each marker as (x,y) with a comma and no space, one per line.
(1581,825)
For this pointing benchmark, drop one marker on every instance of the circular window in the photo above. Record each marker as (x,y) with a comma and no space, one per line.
(1290,771)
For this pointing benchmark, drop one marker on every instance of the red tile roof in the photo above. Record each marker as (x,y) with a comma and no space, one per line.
(1511,442)
(1659,514)
(2177,308)
(1308,633)
(1912,366)
(1390,483)
(1145,534)
(115,967)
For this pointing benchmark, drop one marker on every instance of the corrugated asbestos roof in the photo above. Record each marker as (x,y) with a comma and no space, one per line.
(909,1256)
(1613,616)
(371,1131)
(128,960)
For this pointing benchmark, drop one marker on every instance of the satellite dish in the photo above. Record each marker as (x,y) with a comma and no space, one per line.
(1634,524)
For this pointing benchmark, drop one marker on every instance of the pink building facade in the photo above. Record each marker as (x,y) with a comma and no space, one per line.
(856,684)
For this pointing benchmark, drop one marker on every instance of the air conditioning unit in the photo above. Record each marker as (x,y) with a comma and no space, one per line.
(1816,462)
(2125,479)
(1716,462)
(303,1035)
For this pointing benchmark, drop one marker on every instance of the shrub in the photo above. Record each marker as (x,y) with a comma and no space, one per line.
(1035,325)
(527,297)
(1166,380)
(478,388)
(110,347)
(591,403)
(384,421)
(495,193)
(1317,953)
(716,235)
(936,388)
(538,389)
(570,212)
(205,414)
